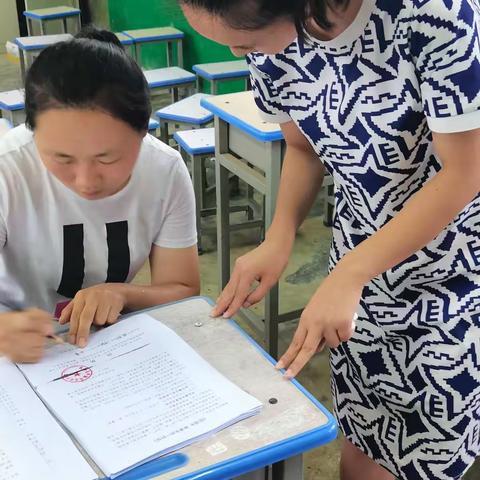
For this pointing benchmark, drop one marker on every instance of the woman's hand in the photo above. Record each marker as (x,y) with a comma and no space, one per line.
(265,264)
(23,335)
(328,319)
(97,305)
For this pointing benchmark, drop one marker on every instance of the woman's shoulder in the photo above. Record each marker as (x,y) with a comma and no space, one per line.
(15,140)
(157,157)
(17,151)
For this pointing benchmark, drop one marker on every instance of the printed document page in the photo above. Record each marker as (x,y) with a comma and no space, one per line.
(32,443)
(135,392)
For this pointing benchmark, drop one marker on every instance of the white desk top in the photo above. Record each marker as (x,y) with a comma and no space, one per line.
(217,70)
(124,39)
(199,140)
(240,110)
(189,108)
(39,42)
(154,34)
(231,353)
(12,100)
(52,12)
(167,76)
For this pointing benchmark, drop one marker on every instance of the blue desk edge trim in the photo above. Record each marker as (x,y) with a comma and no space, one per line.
(257,458)
(39,46)
(193,151)
(218,76)
(172,36)
(12,108)
(181,118)
(236,122)
(51,16)
(172,83)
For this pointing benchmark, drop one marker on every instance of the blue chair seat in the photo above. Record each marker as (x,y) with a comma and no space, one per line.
(200,141)
(12,100)
(188,110)
(153,125)
(222,70)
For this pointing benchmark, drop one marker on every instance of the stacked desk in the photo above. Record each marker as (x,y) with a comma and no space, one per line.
(168,35)
(30,47)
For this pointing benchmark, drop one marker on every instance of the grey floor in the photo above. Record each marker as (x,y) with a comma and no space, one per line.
(306,269)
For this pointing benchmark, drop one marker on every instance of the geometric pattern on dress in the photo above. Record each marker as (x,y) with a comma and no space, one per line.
(406,387)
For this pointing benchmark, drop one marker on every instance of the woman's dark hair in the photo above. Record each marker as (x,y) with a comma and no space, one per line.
(90,71)
(257,14)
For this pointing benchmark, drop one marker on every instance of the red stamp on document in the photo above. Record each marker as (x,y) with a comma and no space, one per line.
(76,374)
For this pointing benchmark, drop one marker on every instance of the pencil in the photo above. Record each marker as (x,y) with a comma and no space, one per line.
(56,339)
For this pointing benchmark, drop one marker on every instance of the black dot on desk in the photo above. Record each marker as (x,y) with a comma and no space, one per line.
(273,401)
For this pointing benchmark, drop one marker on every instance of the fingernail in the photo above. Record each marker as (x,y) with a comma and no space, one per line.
(226,315)
(82,342)
(71,339)
(247,305)
(279,365)
(288,375)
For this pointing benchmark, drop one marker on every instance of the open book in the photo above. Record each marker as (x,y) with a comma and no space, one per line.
(136,392)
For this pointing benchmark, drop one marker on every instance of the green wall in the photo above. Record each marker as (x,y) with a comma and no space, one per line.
(132,14)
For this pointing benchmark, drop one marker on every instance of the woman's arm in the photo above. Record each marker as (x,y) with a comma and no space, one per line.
(301,179)
(175,275)
(330,311)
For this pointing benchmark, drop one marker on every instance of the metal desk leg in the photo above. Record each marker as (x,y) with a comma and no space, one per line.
(138,53)
(213,87)
(29,27)
(164,131)
(180,52)
(256,475)
(79,23)
(42,28)
(272,179)
(223,197)
(23,70)
(64,23)
(290,469)
(196,166)
(169,49)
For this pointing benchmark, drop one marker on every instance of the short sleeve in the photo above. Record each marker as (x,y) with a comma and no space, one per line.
(3,210)
(265,93)
(178,228)
(445,46)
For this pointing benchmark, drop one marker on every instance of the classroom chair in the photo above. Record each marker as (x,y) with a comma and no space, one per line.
(168,35)
(153,127)
(219,71)
(45,15)
(12,106)
(197,146)
(187,112)
(169,78)
(30,47)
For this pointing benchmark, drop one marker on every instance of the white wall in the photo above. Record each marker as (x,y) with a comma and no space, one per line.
(8,22)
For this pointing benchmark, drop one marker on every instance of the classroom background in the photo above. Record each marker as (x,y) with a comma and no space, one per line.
(180,65)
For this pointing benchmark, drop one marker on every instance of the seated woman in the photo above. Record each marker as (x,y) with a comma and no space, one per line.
(86,197)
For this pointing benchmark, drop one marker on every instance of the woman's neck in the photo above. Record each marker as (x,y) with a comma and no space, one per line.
(340,18)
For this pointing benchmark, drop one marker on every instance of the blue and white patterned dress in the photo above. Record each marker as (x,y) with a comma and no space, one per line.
(407,386)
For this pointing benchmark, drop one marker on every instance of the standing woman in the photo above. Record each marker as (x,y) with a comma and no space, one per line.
(387,94)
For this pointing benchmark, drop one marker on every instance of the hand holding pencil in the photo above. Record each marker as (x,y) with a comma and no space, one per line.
(24,335)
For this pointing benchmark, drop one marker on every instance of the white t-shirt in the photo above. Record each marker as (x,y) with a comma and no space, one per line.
(54,242)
